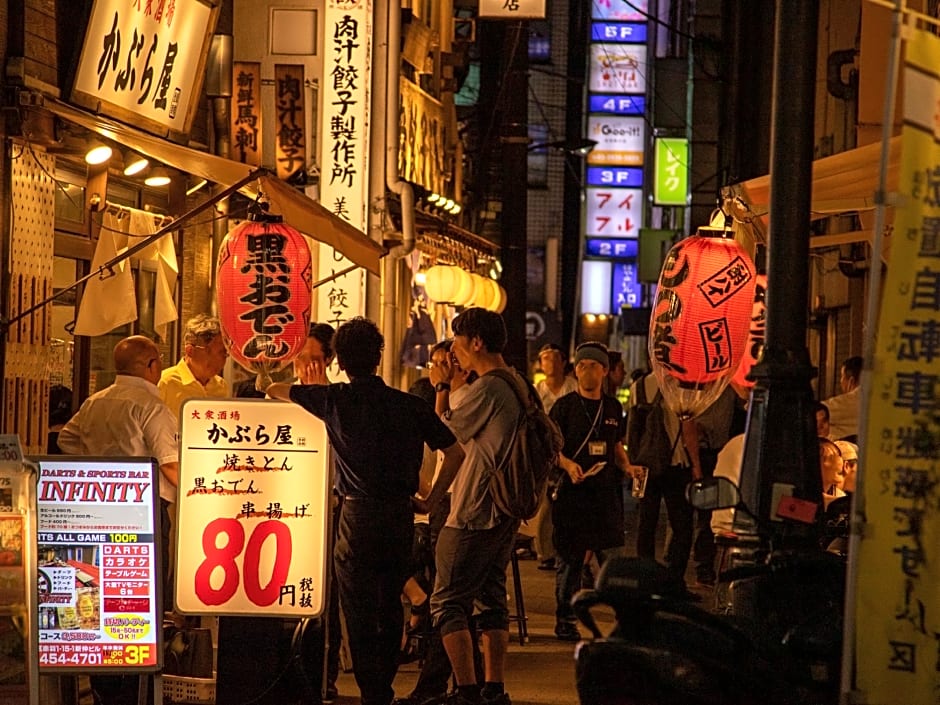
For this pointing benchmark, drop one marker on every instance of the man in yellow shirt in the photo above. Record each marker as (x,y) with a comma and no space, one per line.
(197,375)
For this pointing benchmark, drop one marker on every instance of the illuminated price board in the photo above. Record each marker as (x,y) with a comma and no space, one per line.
(98,564)
(253,509)
(614,212)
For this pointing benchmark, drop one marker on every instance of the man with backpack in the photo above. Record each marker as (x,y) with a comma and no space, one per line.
(655,441)
(474,546)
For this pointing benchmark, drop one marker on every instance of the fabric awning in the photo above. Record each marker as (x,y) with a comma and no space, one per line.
(842,183)
(301,212)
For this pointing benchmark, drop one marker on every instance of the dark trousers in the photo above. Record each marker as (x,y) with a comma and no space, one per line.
(670,487)
(568,581)
(703,548)
(436,669)
(372,560)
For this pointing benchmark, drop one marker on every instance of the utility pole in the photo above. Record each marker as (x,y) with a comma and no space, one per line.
(780,448)
(511,148)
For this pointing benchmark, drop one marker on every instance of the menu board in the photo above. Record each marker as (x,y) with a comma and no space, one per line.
(98,564)
(253,509)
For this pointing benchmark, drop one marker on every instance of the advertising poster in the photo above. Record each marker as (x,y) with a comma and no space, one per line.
(897,638)
(253,509)
(98,565)
(614,212)
(621,141)
(617,68)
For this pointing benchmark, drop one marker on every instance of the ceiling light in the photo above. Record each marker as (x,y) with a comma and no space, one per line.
(158,176)
(447,205)
(98,152)
(435,197)
(454,209)
(134,163)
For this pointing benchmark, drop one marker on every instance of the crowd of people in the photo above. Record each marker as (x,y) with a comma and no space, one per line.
(415,523)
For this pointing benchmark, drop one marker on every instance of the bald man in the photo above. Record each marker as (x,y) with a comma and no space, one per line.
(129,419)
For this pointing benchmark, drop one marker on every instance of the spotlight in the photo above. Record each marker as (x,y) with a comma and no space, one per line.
(98,152)
(134,163)
(454,209)
(447,205)
(435,198)
(158,176)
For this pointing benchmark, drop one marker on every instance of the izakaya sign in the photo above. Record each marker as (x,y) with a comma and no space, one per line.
(253,509)
(344,183)
(142,61)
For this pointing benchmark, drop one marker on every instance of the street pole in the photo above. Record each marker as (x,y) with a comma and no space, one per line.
(780,452)
(570,250)
(514,142)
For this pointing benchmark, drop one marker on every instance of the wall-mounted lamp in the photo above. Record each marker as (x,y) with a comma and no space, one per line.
(134,163)
(158,177)
(98,152)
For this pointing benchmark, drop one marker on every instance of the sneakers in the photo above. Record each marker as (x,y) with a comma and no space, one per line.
(547,564)
(566,631)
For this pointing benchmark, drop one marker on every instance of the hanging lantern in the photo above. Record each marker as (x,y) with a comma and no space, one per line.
(699,325)
(466,288)
(442,283)
(485,291)
(263,294)
(499,305)
(755,334)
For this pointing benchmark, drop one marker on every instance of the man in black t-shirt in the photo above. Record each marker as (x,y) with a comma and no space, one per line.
(378,435)
(588,511)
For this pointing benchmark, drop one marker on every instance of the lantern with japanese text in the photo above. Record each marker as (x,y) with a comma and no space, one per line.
(263,280)
(699,324)
(755,335)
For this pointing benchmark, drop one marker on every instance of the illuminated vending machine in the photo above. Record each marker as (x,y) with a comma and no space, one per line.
(19,653)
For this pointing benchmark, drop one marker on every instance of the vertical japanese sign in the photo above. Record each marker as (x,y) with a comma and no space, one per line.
(344,182)
(671,171)
(253,509)
(246,113)
(291,140)
(143,61)
(898,615)
(98,564)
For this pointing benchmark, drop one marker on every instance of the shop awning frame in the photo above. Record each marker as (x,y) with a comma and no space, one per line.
(301,212)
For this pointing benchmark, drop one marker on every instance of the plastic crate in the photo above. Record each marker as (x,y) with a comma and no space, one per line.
(179,689)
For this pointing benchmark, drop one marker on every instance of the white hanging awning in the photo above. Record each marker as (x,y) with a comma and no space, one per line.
(301,212)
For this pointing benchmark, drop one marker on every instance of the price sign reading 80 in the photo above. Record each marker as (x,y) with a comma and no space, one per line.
(253,484)
(614,212)
(223,541)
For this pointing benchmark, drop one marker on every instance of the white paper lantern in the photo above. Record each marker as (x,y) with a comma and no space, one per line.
(441,282)
(467,289)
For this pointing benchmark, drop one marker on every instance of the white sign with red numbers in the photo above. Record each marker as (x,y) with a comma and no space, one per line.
(253,509)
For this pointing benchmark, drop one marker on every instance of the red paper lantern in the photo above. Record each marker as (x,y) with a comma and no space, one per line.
(755,335)
(263,294)
(699,325)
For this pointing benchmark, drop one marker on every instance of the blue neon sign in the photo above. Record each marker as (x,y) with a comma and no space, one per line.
(623,32)
(628,177)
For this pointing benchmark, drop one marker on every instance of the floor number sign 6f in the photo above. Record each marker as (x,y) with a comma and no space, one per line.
(253,484)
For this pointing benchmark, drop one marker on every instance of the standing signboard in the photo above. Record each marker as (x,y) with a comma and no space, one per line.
(100,607)
(253,509)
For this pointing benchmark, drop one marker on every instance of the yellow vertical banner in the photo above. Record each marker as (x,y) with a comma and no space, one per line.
(898,606)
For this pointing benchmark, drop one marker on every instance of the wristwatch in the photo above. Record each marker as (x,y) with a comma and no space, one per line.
(442,387)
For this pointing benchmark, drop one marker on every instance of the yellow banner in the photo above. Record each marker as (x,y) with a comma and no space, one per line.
(898,609)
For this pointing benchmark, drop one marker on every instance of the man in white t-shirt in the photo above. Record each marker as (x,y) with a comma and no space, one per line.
(124,420)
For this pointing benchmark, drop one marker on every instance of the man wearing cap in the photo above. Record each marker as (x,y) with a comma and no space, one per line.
(555,385)
(588,511)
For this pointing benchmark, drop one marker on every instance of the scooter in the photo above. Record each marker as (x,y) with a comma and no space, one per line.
(781,644)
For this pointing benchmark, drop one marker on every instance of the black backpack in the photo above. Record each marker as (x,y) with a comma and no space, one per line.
(648,442)
(519,481)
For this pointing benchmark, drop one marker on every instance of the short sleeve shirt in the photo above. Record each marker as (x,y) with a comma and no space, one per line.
(484,418)
(177,384)
(377,433)
(126,419)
